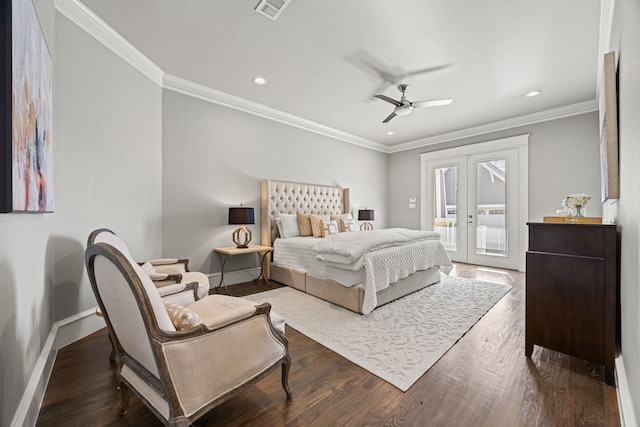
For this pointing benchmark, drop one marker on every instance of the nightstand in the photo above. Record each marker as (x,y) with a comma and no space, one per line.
(225,253)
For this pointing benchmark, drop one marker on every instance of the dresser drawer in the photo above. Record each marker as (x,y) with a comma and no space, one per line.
(568,239)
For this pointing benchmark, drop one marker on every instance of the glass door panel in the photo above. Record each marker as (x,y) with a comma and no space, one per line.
(447,205)
(445,220)
(491,207)
(493,218)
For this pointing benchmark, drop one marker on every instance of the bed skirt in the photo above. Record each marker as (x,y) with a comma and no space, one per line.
(352,297)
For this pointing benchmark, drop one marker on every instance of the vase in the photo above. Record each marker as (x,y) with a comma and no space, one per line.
(579,213)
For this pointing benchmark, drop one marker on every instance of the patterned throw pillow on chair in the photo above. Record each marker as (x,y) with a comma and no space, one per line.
(148,268)
(181,317)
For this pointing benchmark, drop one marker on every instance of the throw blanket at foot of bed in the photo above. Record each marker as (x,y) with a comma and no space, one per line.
(387,256)
(347,250)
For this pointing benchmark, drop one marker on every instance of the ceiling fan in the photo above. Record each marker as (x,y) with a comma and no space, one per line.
(404,106)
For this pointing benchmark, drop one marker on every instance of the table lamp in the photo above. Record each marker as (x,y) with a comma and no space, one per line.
(366,215)
(241,216)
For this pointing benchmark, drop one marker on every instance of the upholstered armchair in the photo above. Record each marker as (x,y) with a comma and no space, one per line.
(171,276)
(181,361)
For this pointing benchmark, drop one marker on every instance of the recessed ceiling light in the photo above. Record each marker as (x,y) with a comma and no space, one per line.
(534,93)
(390,132)
(260,80)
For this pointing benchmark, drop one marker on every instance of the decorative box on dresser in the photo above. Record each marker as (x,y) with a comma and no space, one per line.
(572,295)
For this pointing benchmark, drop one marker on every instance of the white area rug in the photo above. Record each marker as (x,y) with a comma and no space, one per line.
(399,341)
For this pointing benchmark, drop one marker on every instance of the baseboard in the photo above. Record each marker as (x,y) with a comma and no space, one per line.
(234,277)
(625,402)
(62,333)
(79,326)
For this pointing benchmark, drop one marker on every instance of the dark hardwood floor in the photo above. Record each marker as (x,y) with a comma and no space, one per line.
(484,380)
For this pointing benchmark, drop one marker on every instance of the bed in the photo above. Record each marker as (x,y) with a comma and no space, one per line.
(361,284)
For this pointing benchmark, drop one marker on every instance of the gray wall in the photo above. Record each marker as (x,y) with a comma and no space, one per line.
(215,157)
(627,13)
(563,159)
(108,159)
(107,156)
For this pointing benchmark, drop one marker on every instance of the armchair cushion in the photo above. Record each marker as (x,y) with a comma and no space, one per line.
(220,310)
(181,317)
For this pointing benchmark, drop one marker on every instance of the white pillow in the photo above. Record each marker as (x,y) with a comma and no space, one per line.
(341,219)
(288,225)
(349,225)
(330,227)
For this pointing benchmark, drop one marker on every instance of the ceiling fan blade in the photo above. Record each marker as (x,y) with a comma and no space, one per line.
(389,100)
(389,117)
(431,103)
(423,71)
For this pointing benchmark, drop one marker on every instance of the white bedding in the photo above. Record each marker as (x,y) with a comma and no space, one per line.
(297,253)
(348,250)
(374,259)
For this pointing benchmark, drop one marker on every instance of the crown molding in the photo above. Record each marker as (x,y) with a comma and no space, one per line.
(205,93)
(529,119)
(84,18)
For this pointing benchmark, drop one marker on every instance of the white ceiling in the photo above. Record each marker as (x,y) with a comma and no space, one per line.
(324,60)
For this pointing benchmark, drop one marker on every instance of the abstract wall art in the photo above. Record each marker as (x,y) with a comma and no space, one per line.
(26,111)
(609,174)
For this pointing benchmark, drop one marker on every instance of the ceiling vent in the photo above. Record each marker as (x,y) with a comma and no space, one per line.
(272,8)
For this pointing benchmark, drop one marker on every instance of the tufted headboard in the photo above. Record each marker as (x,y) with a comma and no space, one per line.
(288,197)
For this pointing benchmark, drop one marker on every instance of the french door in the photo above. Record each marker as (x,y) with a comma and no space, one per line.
(474,202)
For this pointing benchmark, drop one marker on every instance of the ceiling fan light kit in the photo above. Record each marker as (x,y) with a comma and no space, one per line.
(404,106)
(404,110)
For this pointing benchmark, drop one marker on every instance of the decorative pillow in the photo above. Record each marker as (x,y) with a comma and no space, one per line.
(279,225)
(181,317)
(288,225)
(317,227)
(304,224)
(347,225)
(148,268)
(340,219)
(329,227)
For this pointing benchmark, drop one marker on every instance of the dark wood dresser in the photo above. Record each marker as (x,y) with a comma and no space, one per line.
(572,291)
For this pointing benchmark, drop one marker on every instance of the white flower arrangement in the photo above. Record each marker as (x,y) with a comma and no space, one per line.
(575,200)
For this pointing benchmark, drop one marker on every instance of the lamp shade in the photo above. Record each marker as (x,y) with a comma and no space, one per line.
(366,215)
(241,216)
